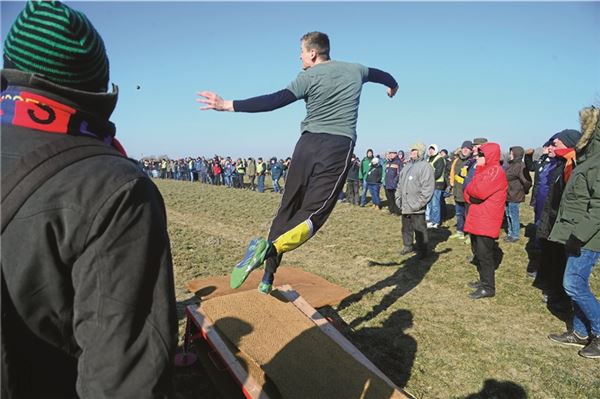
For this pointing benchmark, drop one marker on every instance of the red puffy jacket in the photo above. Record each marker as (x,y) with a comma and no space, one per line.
(489,185)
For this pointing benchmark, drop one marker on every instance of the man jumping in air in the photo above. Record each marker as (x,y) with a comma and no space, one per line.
(331,90)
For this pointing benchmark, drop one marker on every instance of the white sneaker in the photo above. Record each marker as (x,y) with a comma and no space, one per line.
(429,225)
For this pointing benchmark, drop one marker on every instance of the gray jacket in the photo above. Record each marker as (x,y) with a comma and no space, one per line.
(415,187)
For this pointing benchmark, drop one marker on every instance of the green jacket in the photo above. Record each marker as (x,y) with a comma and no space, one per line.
(579,210)
(364,168)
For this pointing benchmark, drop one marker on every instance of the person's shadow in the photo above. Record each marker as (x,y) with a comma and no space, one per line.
(389,347)
(403,281)
(494,389)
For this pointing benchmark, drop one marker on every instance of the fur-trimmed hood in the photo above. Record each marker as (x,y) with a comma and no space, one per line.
(589,143)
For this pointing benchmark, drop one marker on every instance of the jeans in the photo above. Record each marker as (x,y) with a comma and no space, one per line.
(276,186)
(459,208)
(433,212)
(261,183)
(374,191)
(512,219)
(576,281)
(363,196)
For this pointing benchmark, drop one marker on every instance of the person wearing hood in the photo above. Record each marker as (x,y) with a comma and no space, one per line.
(458,173)
(393,166)
(519,183)
(373,178)
(577,227)
(88,300)
(552,180)
(353,181)
(365,164)
(486,195)
(433,214)
(415,189)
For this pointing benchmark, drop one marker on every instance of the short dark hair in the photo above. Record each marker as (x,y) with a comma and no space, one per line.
(317,41)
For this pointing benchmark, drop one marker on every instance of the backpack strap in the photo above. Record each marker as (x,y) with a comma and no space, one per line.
(18,184)
(36,167)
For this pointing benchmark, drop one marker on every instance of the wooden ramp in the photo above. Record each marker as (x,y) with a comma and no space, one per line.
(314,289)
(278,346)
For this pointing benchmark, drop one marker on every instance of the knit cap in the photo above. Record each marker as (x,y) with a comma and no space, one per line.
(569,137)
(53,40)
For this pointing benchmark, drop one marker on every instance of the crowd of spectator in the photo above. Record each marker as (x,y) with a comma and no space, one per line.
(221,171)
(487,189)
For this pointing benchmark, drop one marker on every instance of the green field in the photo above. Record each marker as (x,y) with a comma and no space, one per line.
(412,318)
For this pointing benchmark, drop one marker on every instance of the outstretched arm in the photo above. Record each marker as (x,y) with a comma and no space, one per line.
(264,103)
(384,78)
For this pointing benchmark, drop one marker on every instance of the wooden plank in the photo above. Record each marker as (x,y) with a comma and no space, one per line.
(250,387)
(327,328)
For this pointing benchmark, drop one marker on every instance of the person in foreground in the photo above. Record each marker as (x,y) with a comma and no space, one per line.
(486,196)
(322,156)
(88,298)
(577,226)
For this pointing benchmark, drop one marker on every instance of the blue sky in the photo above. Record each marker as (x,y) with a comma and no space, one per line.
(513,72)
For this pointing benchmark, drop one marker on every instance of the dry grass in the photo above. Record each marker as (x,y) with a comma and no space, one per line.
(411,318)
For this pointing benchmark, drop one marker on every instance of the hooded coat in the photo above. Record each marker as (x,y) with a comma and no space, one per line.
(519,179)
(579,210)
(486,194)
(415,184)
(90,299)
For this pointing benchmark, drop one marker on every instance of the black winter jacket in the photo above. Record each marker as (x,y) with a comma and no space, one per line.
(86,260)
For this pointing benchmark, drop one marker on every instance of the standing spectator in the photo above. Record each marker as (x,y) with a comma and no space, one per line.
(217,171)
(414,191)
(578,228)
(373,178)
(415,188)
(519,183)
(393,165)
(365,164)
(240,169)
(163,168)
(286,166)
(433,213)
(88,301)
(251,171)
(353,182)
(261,171)
(276,168)
(551,185)
(486,194)
(228,173)
(458,173)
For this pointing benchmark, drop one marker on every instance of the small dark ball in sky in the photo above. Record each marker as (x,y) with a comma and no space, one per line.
(138,87)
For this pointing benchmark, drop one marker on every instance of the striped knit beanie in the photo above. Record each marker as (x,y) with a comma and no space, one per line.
(50,39)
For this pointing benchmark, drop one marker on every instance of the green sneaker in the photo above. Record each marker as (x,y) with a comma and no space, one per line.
(265,288)
(255,256)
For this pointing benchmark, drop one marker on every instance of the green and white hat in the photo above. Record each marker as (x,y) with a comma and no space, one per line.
(50,39)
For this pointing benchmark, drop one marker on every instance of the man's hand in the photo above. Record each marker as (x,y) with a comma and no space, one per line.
(392,92)
(573,245)
(529,151)
(214,101)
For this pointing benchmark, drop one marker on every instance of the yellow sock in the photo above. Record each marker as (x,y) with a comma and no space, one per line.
(293,238)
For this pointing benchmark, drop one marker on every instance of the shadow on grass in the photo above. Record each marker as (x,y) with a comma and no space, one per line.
(403,281)
(499,390)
